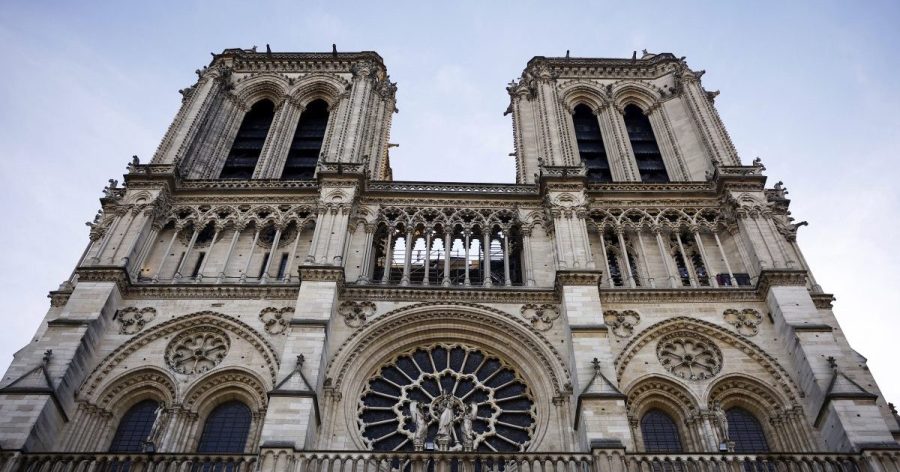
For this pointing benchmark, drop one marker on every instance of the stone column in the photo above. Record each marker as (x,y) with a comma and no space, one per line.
(664,255)
(428,232)
(407,257)
(506,279)
(212,244)
(234,239)
(165,255)
(187,254)
(620,233)
(250,255)
(275,241)
(448,242)
(725,260)
(528,259)
(388,256)
(365,269)
(704,258)
(486,252)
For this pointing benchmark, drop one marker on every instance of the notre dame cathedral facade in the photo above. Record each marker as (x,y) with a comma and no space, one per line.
(262,295)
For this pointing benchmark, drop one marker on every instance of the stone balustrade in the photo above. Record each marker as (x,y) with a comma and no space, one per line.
(601,460)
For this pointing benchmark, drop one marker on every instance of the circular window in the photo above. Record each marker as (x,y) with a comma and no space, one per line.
(689,356)
(197,350)
(446,397)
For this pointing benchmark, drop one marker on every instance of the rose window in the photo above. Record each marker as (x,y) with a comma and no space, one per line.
(446,397)
(197,350)
(689,356)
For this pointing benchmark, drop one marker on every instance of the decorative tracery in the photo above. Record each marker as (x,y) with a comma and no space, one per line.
(689,356)
(433,379)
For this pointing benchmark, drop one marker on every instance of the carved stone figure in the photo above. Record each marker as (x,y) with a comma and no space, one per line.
(444,436)
(159,418)
(417,412)
(721,421)
(468,434)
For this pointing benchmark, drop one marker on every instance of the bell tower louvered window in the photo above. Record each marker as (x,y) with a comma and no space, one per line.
(643,142)
(307,143)
(590,144)
(248,143)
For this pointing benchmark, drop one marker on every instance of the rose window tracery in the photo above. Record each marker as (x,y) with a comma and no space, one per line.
(197,350)
(446,397)
(689,356)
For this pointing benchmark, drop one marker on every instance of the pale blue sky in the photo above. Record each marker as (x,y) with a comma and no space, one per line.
(811,87)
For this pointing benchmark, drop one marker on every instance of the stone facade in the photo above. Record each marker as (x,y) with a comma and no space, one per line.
(333,307)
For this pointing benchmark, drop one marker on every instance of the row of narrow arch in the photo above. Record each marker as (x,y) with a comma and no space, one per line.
(254,132)
(592,148)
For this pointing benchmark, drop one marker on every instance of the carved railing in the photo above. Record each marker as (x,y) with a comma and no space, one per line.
(112,462)
(601,460)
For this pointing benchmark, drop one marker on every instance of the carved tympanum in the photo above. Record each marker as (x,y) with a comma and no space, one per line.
(356,313)
(132,320)
(689,356)
(621,323)
(541,316)
(745,321)
(274,320)
(197,350)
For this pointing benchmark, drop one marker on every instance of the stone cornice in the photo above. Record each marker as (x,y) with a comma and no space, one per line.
(321,273)
(249,61)
(769,278)
(115,274)
(679,295)
(212,292)
(439,293)
(823,301)
(451,188)
(577,277)
(267,185)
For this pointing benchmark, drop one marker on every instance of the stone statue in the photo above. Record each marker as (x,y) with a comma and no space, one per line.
(159,417)
(444,436)
(468,434)
(721,421)
(417,412)
(445,421)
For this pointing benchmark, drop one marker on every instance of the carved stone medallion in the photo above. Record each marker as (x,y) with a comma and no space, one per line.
(356,313)
(745,321)
(621,323)
(197,350)
(132,320)
(689,356)
(541,316)
(274,320)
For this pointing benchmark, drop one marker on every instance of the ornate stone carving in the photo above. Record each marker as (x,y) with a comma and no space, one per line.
(197,350)
(132,320)
(745,321)
(689,356)
(541,316)
(621,323)
(274,320)
(356,313)
(404,402)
